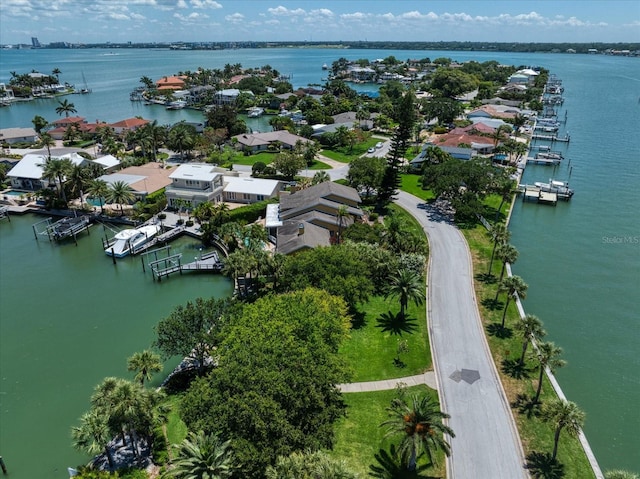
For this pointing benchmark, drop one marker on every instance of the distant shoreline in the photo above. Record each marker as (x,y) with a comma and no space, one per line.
(607,48)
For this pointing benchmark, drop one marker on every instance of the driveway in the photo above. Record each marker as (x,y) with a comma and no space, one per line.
(487,445)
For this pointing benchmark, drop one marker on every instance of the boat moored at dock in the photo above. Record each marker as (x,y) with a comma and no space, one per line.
(129,241)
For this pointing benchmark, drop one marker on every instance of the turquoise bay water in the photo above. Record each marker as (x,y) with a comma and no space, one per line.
(69,318)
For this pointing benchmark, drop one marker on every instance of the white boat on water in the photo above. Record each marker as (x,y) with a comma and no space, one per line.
(176,105)
(556,186)
(127,241)
(255,112)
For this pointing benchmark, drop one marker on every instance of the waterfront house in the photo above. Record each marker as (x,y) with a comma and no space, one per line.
(255,142)
(68,121)
(144,179)
(250,190)
(226,97)
(194,183)
(458,153)
(27,174)
(18,135)
(130,124)
(170,83)
(311,217)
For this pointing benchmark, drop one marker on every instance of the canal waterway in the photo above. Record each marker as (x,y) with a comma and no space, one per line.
(69,318)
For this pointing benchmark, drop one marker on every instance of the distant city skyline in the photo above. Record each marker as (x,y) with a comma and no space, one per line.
(121,21)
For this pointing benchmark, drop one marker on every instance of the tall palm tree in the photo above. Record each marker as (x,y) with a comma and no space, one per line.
(564,415)
(65,107)
(515,287)
(548,356)
(56,170)
(39,123)
(420,428)
(506,253)
(120,192)
(79,178)
(182,138)
(56,72)
(98,189)
(499,235)
(203,456)
(47,141)
(144,363)
(530,329)
(406,285)
(342,213)
(93,435)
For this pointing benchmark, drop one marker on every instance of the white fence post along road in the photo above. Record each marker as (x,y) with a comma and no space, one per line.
(487,445)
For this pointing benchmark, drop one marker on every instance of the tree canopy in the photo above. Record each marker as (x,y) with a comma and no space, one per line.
(274,391)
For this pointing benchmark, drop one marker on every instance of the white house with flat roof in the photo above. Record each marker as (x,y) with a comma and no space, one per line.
(194,183)
(16,135)
(250,190)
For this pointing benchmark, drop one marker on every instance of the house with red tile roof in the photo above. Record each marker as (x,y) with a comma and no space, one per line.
(170,83)
(130,124)
(68,121)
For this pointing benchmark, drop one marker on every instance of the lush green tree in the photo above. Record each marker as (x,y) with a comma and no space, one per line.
(530,328)
(399,145)
(147,82)
(79,178)
(98,189)
(335,269)
(144,364)
(309,465)
(65,107)
(506,253)
(288,163)
(308,150)
(515,287)
(548,356)
(93,435)
(499,234)
(47,141)
(192,331)
(57,169)
(407,286)
(120,192)
(420,428)
(226,117)
(565,415)
(181,137)
(202,456)
(39,123)
(320,177)
(450,83)
(273,391)
(365,173)
(444,109)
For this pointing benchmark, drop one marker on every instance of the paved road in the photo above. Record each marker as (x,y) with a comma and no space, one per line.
(486,445)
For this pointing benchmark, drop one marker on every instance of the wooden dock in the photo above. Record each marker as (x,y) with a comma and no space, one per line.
(565,139)
(61,229)
(543,161)
(209,262)
(536,195)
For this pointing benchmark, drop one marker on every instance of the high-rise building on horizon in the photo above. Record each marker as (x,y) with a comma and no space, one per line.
(35,43)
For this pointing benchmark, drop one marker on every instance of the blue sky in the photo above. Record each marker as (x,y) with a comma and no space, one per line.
(93,21)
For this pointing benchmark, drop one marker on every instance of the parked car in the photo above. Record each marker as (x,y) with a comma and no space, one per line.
(379,145)
(371,150)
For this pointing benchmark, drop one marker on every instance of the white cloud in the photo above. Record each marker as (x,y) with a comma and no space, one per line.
(284,11)
(205,4)
(235,18)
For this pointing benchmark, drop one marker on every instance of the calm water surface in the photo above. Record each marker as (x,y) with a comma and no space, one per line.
(69,318)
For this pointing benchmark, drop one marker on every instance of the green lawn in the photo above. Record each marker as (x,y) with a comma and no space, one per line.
(411,184)
(370,352)
(241,159)
(176,428)
(358,436)
(345,155)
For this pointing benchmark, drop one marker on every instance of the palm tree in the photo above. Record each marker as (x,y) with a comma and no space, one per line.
(98,189)
(147,82)
(144,364)
(564,415)
(499,235)
(518,122)
(531,330)
(515,287)
(420,427)
(548,355)
(120,192)
(506,188)
(39,123)
(342,213)
(506,254)
(56,169)
(79,177)
(406,285)
(66,108)
(47,141)
(320,177)
(203,456)
(56,72)
(93,435)
(181,138)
